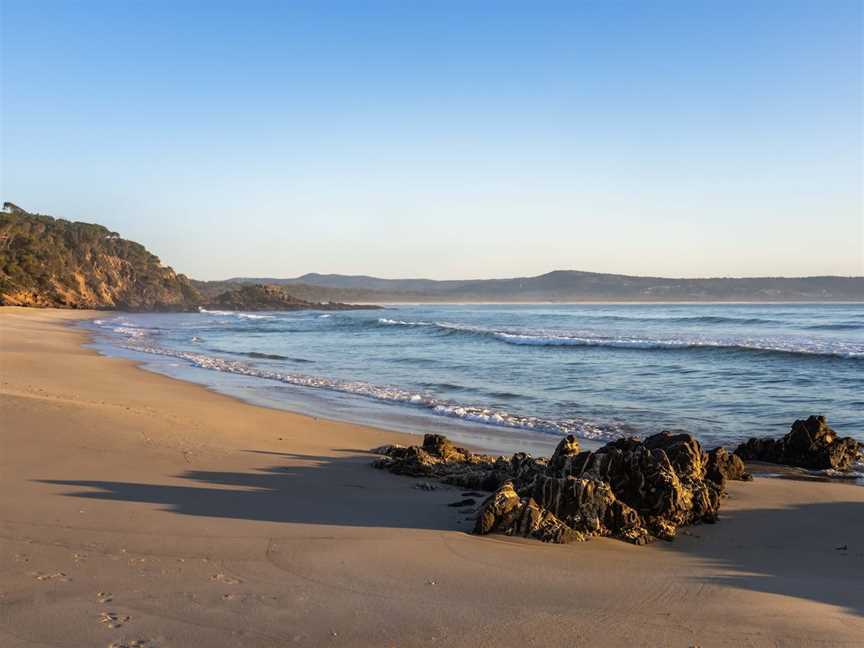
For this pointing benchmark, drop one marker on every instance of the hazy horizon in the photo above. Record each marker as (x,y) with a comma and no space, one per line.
(445,141)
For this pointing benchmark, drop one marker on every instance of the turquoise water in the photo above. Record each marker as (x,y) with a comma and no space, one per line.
(511,375)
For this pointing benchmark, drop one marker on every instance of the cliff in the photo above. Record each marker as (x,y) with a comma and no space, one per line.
(51,262)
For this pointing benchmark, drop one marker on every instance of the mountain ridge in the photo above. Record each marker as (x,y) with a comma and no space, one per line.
(580,285)
(49,262)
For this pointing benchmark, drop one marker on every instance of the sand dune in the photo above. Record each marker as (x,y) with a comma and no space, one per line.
(136,508)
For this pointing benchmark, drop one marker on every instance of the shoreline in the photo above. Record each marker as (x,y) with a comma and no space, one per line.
(495,439)
(768,470)
(206,519)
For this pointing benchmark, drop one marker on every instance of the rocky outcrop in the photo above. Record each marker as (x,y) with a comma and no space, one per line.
(724,466)
(631,489)
(809,444)
(258,297)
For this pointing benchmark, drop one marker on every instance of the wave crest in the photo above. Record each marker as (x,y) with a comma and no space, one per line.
(473,413)
(558,338)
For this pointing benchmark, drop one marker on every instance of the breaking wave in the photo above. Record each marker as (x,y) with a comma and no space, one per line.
(472,413)
(573,339)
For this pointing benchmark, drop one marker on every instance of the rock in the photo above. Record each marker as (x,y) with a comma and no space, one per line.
(387,449)
(630,489)
(499,511)
(582,503)
(684,453)
(809,444)
(439,446)
(724,466)
(485,480)
(643,476)
(506,513)
(562,459)
(537,522)
(412,461)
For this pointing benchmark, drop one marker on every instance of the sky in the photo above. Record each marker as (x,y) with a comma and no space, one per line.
(445,140)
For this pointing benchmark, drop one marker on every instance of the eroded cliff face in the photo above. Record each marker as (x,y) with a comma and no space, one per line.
(48,262)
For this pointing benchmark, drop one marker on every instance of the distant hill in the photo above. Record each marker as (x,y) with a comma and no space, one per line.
(574,286)
(52,262)
(47,261)
(304,292)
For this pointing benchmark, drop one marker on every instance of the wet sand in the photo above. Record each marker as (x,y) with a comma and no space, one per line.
(134,507)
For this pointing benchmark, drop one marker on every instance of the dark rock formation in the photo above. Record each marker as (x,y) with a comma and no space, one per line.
(809,444)
(258,297)
(631,489)
(724,466)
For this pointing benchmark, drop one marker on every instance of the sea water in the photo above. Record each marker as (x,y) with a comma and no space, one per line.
(521,376)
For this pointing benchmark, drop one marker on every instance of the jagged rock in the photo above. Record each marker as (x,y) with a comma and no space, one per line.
(560,463)
(684,453)
(725,466)
(440,446)
(524,469)
(440,458)
(582,503)
(499,511)
(412,461)
(809,444)
(486,480)
(631,489)
(505,512)
(537,522)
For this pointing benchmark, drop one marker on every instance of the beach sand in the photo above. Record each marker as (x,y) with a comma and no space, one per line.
(134,507)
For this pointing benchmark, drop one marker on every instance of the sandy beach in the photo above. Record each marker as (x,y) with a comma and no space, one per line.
(137,508)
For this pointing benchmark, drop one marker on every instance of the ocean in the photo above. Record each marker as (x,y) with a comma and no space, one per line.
(507,377)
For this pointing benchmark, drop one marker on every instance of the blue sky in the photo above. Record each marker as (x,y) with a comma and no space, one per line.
(445,140)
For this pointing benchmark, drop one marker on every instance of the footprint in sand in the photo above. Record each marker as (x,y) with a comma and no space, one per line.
(224,578)
(113,620)
(104,597)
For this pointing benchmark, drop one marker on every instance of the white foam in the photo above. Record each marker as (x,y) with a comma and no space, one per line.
(130,331)
(474,413)
(392,322)
(544,337)
(241,315)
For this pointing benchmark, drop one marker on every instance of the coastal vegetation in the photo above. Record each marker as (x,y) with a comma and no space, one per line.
(52,262)
(47,261)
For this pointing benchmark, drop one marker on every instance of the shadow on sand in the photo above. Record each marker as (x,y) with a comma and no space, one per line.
(343,491)
(810,551)
(793,551)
